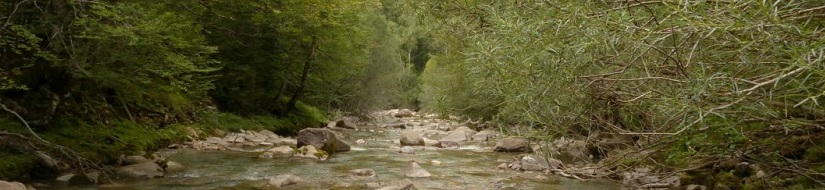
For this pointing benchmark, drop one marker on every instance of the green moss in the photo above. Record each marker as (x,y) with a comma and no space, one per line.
(16,166)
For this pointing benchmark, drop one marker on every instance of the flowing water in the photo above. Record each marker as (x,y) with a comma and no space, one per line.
(464,168)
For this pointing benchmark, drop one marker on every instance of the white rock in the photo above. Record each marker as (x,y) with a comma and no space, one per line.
(415,170)
(285,180)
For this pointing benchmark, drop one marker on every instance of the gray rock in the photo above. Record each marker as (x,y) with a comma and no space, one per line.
(430,142)
(406,150)
(447,144)
(267,133)
(695,187)
(285,180)
(215,140)
(281,150)
(415,170)
(363,172)
(456,136)
(404,184)
(5,185)
(412,138)
(345,124)
(534,163)
(372,185)
(142,170)
(129,160)
(512,144)
(172,166)
(360,141)
(466,130)
(323,139)
(398,125)
(404,113)
(483,136)
(283,141)
(502,166)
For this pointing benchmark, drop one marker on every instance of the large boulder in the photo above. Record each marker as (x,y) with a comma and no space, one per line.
(512,144)
(142,170)
(412,138)
(5,185)
(415,170)
(285,180)
(323,139)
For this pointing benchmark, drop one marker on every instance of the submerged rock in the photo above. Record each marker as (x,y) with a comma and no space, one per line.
(406,150)
(142,170)
(512,144)
(323,139)
(363,172)
(285,180)
(415,170)
(404,184)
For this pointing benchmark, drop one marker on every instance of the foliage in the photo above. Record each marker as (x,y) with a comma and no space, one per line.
(703,78)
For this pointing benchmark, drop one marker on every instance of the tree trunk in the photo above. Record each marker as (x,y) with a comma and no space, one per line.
(298,93)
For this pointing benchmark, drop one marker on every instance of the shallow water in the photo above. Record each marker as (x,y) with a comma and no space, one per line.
(464,168)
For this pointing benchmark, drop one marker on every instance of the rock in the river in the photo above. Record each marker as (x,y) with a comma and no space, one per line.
(323,139)
(398,125)
(404,184)
(136,159)
(142,170)
(430,142)
(345,124)
(512,144)
(172,166)
(281,150)
(502,166)
(360,141)
(310,151)
(435,162)
(415,170)
(404,113)
(447,144)
(537,163)
(469,132)
(484,136)
(80,179)
(363,172)
(285,180)
(406,150)
(412,138)
(5,185)
(283,141)
(372,185)
(456,136)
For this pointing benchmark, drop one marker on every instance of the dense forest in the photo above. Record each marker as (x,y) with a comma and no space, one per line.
(682,86)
